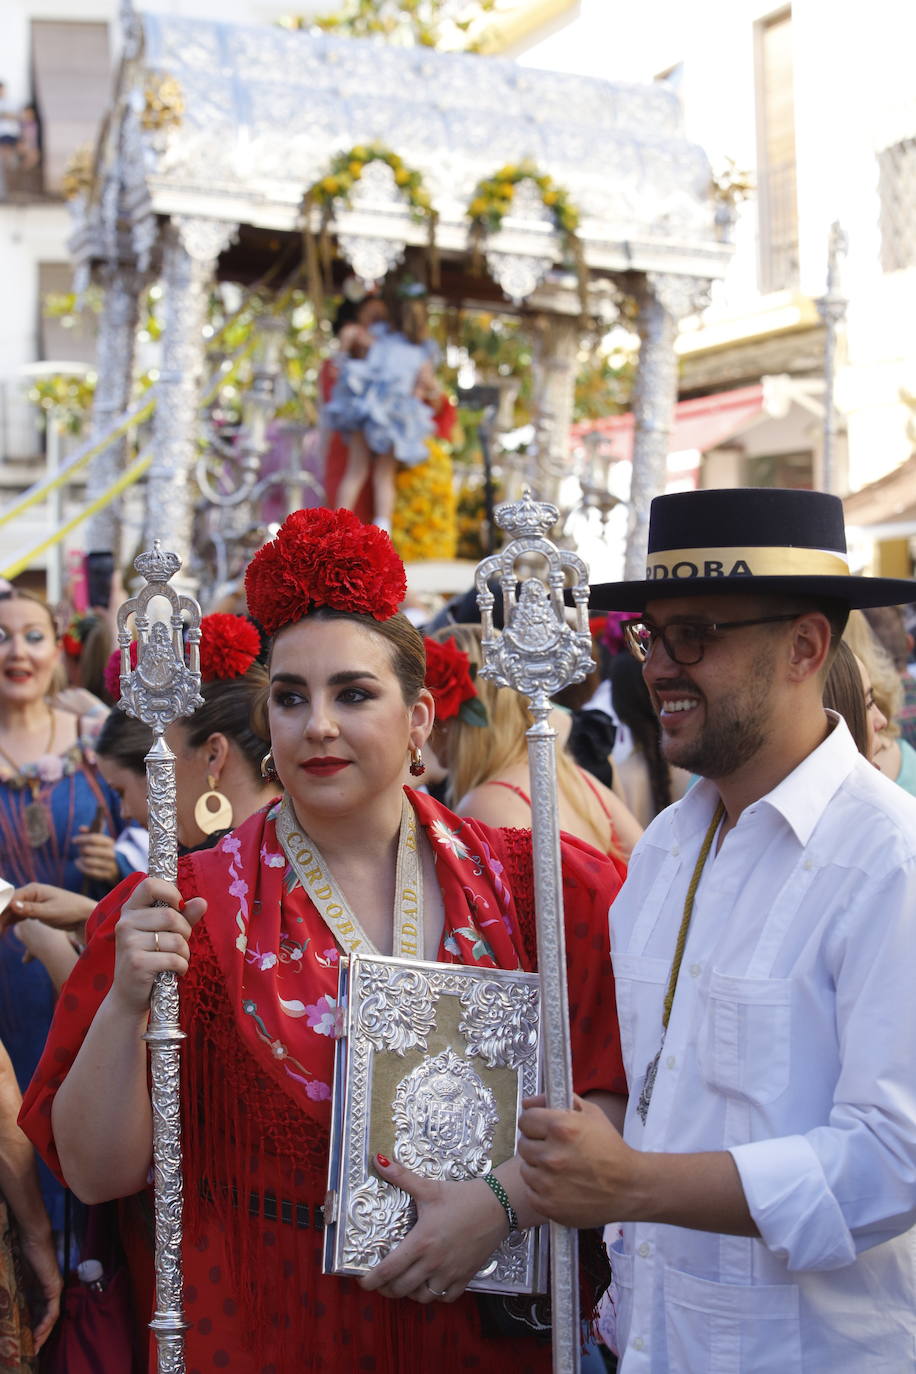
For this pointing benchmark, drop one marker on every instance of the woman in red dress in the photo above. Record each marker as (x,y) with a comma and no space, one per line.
(257,943)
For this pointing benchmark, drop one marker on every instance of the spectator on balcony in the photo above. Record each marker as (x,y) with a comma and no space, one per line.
(9,131)
(29,145)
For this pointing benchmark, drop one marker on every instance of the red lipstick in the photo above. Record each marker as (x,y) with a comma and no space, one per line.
(322,766)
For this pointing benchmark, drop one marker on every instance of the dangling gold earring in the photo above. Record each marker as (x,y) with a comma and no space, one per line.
(417,766)
(268,768)
(213,810)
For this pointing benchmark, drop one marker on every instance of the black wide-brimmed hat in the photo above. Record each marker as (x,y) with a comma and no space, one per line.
(750,540)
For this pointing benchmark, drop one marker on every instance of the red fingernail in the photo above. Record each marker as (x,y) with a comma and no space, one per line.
(385,1163)
(181,903)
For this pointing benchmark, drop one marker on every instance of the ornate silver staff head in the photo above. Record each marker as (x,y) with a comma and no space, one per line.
(162,687)
(537,652)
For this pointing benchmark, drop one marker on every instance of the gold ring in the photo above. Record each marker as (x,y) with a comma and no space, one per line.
(156,941)
(435,1291)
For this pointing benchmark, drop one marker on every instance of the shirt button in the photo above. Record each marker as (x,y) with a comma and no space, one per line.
(639,1343)
(644,1249)
(807,865)
(671,1061)
(695,970)
(675,850)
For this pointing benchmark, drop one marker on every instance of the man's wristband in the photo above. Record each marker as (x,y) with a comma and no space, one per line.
(502,1198)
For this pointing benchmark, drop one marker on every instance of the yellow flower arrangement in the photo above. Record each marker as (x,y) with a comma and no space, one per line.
(493,197)
(347,168)
(492,201)
(335,187)
(424,508)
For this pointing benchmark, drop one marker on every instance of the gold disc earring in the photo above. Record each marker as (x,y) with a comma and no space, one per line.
(213,810)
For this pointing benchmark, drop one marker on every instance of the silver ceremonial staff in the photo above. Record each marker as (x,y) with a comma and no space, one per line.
(538,654)
(163,688)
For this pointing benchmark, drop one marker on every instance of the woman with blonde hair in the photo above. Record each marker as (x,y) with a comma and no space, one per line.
(488,765)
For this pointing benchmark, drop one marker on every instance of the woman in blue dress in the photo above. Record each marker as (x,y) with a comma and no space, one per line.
(383,398)
(58,819)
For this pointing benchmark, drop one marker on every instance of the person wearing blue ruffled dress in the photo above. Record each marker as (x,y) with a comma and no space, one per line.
(382,399)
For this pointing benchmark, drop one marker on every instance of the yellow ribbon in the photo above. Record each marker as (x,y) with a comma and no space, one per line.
(742,565)
(127,479)
(45,486)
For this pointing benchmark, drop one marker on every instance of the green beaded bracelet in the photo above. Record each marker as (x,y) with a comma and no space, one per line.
(503,1198)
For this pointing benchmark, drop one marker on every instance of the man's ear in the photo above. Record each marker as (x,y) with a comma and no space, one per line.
(809,647)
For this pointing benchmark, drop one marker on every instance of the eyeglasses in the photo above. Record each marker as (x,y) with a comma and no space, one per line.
(685,641)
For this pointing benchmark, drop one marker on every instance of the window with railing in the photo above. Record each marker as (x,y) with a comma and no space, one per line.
(897,205)
(776,170)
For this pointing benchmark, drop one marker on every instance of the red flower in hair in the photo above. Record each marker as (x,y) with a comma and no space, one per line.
(324,558)
(73,647)
(112,674)
(448,677)
(229,644)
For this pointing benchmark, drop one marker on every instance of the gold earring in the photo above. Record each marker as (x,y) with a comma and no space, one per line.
(213,810)
(268,768)
(417,766)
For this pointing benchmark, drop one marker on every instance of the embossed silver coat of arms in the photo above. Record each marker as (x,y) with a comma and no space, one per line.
(431,1070)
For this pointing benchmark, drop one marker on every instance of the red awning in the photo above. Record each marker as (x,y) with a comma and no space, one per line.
(701,424)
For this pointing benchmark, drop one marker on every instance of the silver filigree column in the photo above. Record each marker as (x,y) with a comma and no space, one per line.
(832,309)
(538,654)
(114,366)
(163,688)
(662,299)
(555,363)
(191,249)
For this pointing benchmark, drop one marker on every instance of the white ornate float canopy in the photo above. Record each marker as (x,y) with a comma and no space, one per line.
(236,122)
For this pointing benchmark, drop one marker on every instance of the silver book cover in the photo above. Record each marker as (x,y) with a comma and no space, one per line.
(430,1070)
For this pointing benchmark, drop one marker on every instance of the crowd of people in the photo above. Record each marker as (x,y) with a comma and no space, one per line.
(738,856)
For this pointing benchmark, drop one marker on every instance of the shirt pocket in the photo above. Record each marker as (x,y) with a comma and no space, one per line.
(745,1036)
(638,980)
(721,1328)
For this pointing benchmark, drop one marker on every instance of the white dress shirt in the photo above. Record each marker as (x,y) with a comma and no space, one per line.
(792,1043)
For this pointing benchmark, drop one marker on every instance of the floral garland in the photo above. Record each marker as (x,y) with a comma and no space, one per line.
(492,201)
(335,186)
(347,168)
(424,512)
(493,197)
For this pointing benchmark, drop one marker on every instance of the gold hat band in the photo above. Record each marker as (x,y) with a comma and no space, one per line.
(682,565)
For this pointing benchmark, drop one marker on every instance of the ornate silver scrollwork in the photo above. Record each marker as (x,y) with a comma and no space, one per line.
(498,1025)
(537,653)
(162,688)
(396,1010)
(444,1119)
(379,1217)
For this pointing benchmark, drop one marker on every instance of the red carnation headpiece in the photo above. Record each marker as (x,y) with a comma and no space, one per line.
(324,558)
(229,644)
(112,674)
(449,678)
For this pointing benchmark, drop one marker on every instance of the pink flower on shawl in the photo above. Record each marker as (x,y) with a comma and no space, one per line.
(332,955)
(318,1092)
(324,1017)
(50,767)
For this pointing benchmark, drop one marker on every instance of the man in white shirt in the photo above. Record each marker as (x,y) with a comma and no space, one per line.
(766,1175)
